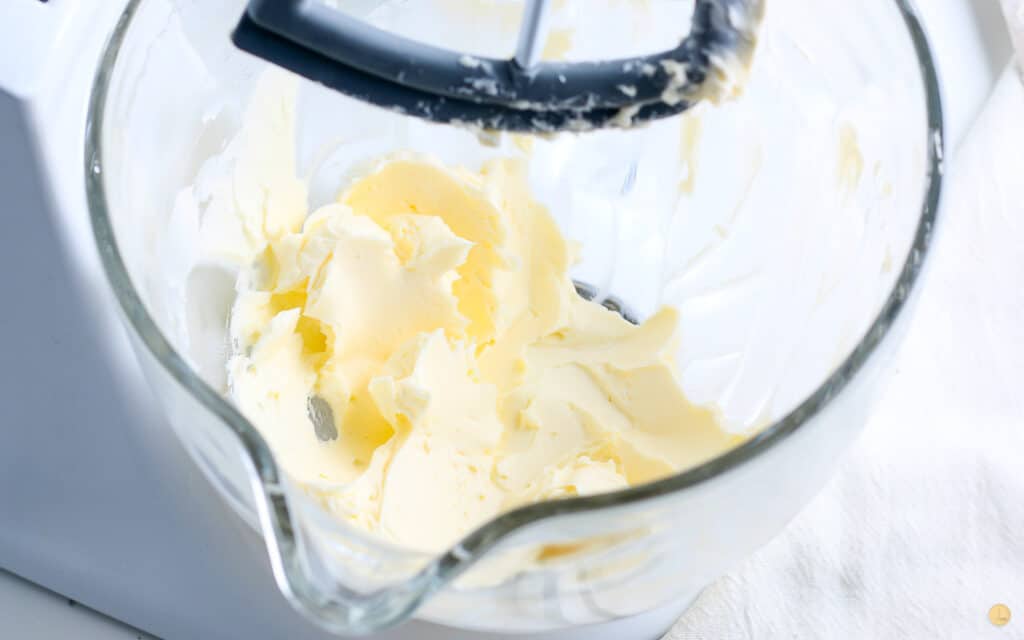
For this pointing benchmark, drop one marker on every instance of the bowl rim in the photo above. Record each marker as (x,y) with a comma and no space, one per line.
(274,510)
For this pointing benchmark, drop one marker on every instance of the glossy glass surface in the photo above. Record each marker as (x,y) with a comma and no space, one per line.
(790,256)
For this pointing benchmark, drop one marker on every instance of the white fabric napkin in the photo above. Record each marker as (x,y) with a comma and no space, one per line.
(921,531)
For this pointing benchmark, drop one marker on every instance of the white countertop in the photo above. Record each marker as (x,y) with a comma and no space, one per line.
(28,612)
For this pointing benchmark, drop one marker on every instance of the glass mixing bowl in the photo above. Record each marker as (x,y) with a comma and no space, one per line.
(788,227)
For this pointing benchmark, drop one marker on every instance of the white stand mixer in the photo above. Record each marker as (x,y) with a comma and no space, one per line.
(100,502)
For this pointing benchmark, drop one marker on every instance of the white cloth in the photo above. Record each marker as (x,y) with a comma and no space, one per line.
(921,531)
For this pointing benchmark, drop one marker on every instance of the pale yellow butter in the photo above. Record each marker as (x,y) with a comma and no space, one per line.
(431,309)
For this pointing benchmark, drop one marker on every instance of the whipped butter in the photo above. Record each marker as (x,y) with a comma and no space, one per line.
(416,354)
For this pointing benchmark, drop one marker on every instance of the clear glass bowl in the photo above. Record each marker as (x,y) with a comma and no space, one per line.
(789,227)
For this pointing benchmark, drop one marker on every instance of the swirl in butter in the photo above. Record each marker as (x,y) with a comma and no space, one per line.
(417,356)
